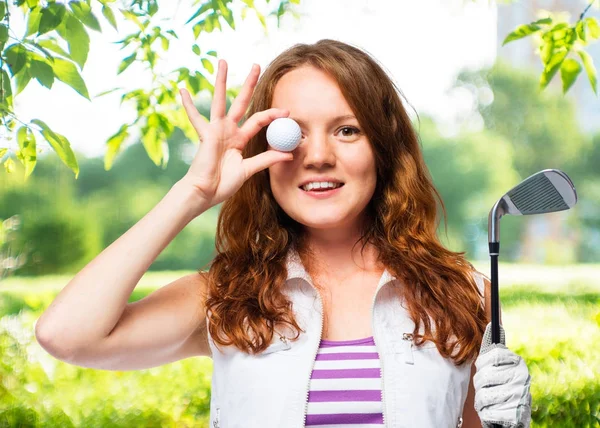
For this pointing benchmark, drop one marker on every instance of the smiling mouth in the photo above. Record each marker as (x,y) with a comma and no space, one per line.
(320,190)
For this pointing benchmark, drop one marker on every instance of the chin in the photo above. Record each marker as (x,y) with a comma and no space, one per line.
(315,221)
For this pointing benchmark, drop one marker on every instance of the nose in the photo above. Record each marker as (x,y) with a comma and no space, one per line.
(317,150)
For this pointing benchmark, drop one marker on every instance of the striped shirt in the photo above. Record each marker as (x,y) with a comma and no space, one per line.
(345,386)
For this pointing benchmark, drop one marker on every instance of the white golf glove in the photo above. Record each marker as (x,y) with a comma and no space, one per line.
(501,384)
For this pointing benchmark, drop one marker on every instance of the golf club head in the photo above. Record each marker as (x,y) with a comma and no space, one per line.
(546,191)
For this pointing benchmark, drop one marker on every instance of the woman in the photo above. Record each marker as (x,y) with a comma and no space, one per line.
(305,329)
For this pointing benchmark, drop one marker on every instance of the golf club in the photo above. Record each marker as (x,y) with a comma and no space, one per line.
(546,191)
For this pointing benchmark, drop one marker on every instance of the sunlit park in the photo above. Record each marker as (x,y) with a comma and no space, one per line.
(93,136)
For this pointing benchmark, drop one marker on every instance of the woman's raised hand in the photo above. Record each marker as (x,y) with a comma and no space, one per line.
(218,169)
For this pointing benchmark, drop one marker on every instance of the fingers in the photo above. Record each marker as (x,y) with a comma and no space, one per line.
(240,104)
(217,107)
(493,378)
(259,120)
(196,119)
(497,400)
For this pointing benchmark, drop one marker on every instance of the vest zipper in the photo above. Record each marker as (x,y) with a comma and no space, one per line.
(314,357)
(380,357)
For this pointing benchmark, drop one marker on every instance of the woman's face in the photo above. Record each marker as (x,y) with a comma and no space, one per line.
(333,144)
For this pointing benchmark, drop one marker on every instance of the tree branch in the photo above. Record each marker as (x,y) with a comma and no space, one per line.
(585,11)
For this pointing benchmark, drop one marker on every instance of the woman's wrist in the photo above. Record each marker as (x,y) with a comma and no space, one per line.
(189,200)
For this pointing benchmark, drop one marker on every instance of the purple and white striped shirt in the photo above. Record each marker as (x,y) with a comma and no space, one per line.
(345,386)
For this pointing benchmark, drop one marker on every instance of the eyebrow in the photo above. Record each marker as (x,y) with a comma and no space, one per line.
(332,121)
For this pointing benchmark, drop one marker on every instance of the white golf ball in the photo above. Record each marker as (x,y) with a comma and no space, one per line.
(284,134)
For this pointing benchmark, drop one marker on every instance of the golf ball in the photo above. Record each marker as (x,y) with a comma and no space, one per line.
(284,134)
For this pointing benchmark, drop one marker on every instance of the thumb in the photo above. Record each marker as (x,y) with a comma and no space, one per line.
(486,342)
(265,160)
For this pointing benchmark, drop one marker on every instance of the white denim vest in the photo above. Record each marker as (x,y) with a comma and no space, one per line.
(420,388)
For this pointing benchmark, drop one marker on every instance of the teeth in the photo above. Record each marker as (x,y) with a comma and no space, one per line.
(320,185)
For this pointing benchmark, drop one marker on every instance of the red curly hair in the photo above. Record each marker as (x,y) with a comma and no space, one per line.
(244,299)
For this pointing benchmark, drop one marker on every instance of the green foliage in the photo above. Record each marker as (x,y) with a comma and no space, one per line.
(67,225)
(468,188)
(56,46)
(552,140)
(557,39)
(75,396)
(58,244)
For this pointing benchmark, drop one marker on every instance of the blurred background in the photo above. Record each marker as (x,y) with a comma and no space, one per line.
(484,124)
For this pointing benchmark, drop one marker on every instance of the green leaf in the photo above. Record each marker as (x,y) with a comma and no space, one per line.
(110,16)
(206,6)
(78,39)
(16,57)
(51,17)
(22,79)
(261,18)
(569,70)
(588,64)
(556,34)
(196,49)
(546,49)
(213,23)
(3,152)
(134,18)
(552,67)
(543,21)
(27,153)
(152,7)
(593,28)
(3,33)
(227,15)
(126,63)
(208,65)
(2,10)
(6,90)
(152,141)
(84,13)
(580,28)
(48,56)
(165,124)
(164,42)
(172,33)
(193,84)
(114,143)
(54,47)
(204,82)
(60,144)
(197,29)
(66,72)
(42,71)
(9,165)
(212,53)
(33,21)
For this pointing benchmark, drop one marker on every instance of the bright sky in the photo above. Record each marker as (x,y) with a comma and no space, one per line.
(422,44)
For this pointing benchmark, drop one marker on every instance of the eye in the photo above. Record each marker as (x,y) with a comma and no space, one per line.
(349,131)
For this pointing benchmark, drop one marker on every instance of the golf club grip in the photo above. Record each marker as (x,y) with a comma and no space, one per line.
(494,251)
